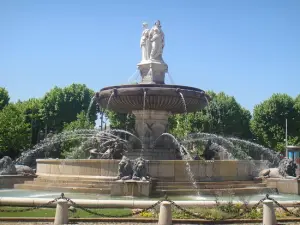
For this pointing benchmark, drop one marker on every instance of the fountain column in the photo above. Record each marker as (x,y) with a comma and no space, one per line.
(149,125)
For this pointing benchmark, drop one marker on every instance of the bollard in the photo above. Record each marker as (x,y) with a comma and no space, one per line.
(165,214)
(61,214)
(269,217)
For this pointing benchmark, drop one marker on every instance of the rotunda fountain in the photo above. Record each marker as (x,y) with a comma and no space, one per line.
(151,162)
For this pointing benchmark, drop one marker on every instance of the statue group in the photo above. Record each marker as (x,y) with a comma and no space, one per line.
(152,42)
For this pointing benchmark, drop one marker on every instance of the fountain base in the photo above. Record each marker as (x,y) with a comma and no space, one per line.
(168,176)
(131,188)
(152,154)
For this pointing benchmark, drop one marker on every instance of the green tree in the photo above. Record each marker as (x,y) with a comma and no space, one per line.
(4,98)
(14,131)
(224,115)
(80,123)
(32,112)
(61,105)
(297,120)
(121,121)
(268,124)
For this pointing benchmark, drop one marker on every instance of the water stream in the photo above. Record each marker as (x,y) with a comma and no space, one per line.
(185,156)
(89,109)
(143,122)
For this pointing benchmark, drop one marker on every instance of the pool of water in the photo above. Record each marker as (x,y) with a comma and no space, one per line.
(49,194)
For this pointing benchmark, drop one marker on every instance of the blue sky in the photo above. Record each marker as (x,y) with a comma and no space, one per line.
(249,49)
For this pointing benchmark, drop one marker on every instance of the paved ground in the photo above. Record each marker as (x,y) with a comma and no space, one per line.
(99,223)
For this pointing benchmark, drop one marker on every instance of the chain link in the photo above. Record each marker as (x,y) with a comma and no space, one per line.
(282,206)
(186,211)
(105,215)
(32,208)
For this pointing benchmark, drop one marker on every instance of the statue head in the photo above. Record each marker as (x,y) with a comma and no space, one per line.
(157,23)
(145,25)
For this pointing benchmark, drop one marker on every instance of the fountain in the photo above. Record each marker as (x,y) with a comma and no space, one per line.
(149,165)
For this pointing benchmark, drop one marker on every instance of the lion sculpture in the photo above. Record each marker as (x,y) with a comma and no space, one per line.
(286,169)
(140,170)
(125,169)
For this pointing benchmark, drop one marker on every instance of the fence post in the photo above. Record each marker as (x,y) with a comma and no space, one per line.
(61,214)
(269,217)
(165,213)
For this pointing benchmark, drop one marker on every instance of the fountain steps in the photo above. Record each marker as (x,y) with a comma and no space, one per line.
(159,185)
(71,184)
(218,186)
(250,182)
(98,185)
(53,187)
(191,191)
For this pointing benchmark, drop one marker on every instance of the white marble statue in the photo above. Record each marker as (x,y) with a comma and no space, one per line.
(152,42)
(145,43)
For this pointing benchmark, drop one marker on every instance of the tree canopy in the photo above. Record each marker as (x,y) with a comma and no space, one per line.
(222,116)
(269,118)
(4,98)
(61,105)
(14,131)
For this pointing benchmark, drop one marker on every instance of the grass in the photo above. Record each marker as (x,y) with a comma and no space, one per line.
(50,212)
(217,213)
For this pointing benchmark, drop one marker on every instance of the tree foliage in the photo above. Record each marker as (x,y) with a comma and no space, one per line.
(14,131)
(4,98)
(82,122)
(121,120)
(268,124)
(61,105)
(222,116)
(32,112)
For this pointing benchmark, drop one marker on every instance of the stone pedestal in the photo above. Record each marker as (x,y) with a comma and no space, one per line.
(131,188)
(152,72)
(61,214)
(269,217)
(165,214)
(150,124)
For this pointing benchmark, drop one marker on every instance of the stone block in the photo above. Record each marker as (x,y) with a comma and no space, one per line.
(131,188)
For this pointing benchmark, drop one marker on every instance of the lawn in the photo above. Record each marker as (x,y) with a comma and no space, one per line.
(50,212)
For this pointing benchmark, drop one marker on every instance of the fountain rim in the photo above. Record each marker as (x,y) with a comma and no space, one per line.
(171,86)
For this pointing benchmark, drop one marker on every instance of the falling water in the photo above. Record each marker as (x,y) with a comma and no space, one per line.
(185,156)
(209,110)
(46,147)
(234,150)
(133,77)
(89,109)
(185,111)
(170,77)
(109,99)
(143,122)
(257,150)
(126,132)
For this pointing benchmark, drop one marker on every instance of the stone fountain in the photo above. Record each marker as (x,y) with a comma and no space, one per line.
(152,101)
(147,169)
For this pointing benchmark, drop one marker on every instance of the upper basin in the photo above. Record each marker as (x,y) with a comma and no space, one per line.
(127,98)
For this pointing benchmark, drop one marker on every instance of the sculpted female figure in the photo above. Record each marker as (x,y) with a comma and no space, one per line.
(145,43)
(157,44)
